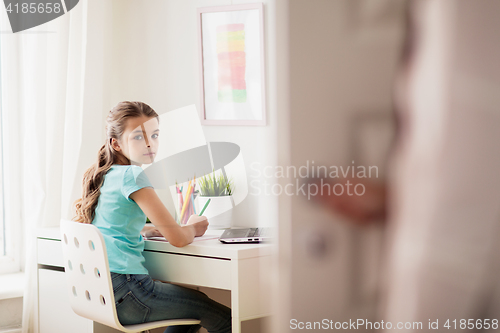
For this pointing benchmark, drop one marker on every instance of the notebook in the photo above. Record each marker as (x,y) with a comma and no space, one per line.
(246,235)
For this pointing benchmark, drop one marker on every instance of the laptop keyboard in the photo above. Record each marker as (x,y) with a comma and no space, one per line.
(256,232)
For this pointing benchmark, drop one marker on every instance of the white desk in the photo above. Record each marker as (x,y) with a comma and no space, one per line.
(240,268)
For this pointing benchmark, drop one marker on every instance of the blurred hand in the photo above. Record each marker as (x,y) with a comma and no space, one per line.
(200,224)
(360,209)
(150,231)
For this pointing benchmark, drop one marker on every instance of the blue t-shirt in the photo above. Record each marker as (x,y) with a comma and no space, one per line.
(121,220)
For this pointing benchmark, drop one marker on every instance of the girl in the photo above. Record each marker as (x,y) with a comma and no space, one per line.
(117,197)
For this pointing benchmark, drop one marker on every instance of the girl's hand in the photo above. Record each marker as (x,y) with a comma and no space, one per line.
(153,233)
(199,223)
(150,231)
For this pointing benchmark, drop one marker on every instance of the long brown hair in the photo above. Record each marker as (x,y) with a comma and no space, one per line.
(107,156)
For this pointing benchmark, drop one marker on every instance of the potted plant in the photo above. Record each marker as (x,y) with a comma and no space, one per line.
(218,189)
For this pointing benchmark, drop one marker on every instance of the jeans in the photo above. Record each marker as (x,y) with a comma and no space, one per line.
(139,299)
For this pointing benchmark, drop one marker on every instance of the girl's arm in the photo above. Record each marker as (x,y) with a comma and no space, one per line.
(178,236)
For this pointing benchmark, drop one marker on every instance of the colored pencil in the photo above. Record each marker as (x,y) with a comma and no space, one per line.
(186,200)
(205,207)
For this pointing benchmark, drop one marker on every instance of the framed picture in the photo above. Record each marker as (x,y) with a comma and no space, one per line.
(231,49)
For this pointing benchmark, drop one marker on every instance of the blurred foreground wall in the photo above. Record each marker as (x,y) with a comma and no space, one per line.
(338,59)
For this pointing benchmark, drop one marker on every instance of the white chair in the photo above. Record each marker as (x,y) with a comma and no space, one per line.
(89,280)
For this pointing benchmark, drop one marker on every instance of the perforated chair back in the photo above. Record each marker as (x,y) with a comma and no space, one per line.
(89,280)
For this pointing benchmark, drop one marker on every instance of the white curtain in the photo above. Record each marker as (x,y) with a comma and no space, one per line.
(54,98)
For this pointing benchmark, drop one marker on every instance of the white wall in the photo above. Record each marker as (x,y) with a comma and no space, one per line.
(155,60)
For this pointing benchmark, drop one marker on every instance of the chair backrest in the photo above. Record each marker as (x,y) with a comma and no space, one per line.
(87,272)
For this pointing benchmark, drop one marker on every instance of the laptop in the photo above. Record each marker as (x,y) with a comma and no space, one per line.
(246,235)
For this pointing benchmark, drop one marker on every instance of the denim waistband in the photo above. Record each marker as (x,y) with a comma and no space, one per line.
(127,276)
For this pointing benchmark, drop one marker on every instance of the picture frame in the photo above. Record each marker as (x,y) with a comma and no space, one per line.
(232,65)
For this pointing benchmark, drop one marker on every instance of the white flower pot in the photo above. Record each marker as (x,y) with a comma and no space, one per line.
(218,212)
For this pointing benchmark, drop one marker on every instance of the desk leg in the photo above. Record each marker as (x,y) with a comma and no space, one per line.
(249,293)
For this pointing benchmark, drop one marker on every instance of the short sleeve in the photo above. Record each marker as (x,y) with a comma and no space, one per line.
(134,179)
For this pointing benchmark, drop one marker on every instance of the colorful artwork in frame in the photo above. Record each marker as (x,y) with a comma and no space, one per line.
(231,44)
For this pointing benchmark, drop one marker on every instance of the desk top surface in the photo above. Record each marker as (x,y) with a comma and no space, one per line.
(205,248)
(213,248)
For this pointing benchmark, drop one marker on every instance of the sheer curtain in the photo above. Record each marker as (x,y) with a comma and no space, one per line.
(54,98)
